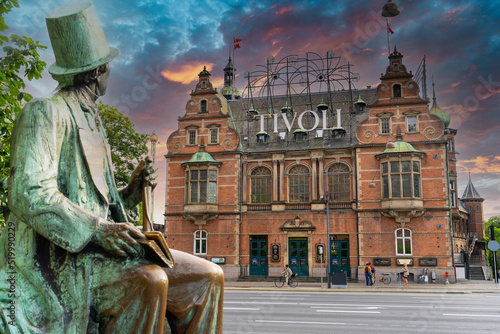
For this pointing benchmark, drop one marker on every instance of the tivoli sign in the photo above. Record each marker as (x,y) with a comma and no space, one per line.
(289,123)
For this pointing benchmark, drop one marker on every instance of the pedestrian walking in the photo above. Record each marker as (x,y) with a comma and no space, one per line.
(368,274)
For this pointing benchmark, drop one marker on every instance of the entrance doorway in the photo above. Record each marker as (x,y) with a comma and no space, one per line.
(298,255)
(340,255)
(258,255)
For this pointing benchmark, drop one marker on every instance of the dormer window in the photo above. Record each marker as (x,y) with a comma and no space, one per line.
(396,90)
(203,106)
(300,135)
(262,137)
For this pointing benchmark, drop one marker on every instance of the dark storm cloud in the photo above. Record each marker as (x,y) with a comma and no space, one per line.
(461,41)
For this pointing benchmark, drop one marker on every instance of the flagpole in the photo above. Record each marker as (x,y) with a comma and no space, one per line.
(232,81)
(388,45)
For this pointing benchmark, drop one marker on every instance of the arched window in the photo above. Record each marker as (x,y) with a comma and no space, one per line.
(200,242)
(339,183)
(298,184)
(403,241)
(203,106)
(396,90)
(261,185)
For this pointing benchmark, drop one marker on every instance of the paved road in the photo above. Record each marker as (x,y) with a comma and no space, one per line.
(291,311)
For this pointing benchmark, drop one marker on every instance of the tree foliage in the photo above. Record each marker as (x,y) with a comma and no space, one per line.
(20,59)
(495,222)
(127,146)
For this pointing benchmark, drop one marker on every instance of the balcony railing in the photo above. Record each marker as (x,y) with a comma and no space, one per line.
(297,206)
(259,207)
(339,205)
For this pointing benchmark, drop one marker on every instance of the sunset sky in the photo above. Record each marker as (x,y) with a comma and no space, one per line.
(164,44)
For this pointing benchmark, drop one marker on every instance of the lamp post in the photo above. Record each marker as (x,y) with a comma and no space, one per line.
(328,247)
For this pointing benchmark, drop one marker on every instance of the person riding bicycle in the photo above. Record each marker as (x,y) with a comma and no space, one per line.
(287,273)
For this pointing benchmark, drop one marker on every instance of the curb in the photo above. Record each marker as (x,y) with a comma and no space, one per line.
(360,290)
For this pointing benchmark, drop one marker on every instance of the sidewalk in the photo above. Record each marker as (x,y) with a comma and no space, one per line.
(462,286)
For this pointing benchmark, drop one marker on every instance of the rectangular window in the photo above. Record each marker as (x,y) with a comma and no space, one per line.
(412,123)
(401,179)
(202,186)
(214,136)
(385,125)
(192,137)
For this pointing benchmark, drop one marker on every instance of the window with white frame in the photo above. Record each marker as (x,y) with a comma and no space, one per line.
(412,123)
(385,125)
(191,134)
(214,136)
(200,242)
(403,241)
(201,185)
(401,179)
(453,194)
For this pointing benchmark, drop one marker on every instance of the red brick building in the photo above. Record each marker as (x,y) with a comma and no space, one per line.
(249,181)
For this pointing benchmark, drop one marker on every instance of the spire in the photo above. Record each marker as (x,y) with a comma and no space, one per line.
(471,192)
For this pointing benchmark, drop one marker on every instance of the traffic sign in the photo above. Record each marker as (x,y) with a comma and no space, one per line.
(493,245)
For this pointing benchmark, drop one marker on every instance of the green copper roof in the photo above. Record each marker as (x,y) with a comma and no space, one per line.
(436,111)
(202,157)
(401,147)
(228,90)
(299,130)
(443,115)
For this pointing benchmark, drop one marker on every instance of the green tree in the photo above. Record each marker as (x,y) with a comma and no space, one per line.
(495,222)
(127,146)
(20,58)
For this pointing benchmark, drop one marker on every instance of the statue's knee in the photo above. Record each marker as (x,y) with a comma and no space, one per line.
(216,273)
(155,278)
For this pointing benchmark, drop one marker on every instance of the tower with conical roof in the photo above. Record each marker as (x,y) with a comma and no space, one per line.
(473,202)
(229,91)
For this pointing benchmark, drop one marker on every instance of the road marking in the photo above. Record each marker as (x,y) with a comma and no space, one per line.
(242,308)
(260,303)
(347,311)
(281,298)
(301,322)
(473,315)
(359,308)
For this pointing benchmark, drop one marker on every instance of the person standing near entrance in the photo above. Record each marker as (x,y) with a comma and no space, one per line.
(406,272)
(287,273)
(368,274)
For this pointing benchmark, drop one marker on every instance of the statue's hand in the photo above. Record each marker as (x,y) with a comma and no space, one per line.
(120,239)
(143,175)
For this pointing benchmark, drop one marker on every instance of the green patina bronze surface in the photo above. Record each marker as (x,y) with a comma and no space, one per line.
(69,257)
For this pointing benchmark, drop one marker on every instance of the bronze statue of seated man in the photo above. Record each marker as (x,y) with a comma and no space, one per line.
(72,262)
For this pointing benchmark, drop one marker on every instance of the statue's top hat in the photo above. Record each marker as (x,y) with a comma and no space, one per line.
(77,39)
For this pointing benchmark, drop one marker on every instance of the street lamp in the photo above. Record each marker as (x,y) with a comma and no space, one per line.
(328,247)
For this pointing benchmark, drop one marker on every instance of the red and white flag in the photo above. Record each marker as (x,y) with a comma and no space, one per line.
(389,30)
(236,42)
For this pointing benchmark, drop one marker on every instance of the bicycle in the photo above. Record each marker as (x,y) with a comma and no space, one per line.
(292,281)
(386,279)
